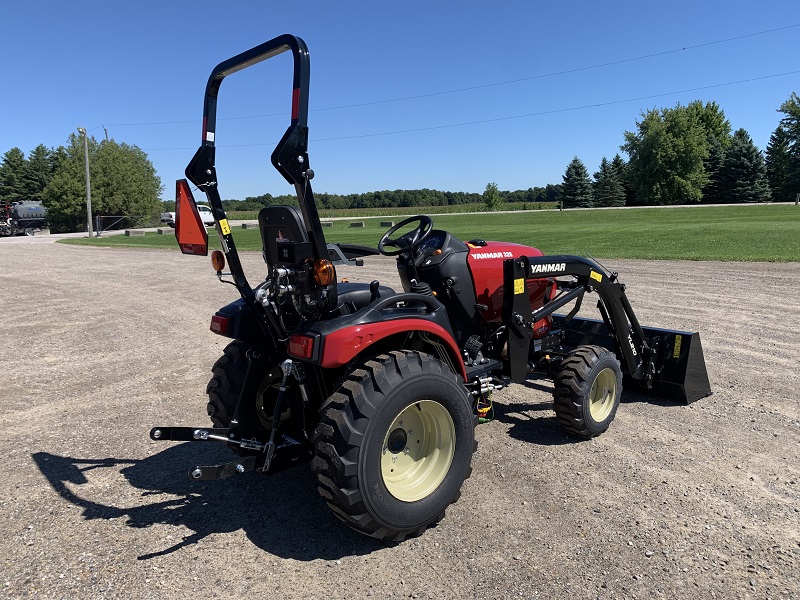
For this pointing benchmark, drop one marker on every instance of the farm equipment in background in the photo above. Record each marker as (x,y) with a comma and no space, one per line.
(18,218)
(380,388)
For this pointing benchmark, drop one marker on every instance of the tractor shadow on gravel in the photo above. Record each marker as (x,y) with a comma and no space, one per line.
(527,426)
(543,429)
(281,513)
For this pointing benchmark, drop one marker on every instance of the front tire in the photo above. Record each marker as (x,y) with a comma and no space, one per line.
(394,445)
(587,391)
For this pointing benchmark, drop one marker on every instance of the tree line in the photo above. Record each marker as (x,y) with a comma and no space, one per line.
(398,198)
(686,155)
(678,155)
(123,180)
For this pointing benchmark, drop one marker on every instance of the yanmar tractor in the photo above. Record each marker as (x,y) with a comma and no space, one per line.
(380,388)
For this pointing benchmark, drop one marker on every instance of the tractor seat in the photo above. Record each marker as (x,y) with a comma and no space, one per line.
(355,296)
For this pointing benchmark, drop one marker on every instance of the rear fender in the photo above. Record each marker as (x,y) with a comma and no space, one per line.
(241,324)
(343,345)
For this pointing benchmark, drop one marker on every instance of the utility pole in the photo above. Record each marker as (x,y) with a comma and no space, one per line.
(88,183)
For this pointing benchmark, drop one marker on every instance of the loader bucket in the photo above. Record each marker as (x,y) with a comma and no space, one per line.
(681,373)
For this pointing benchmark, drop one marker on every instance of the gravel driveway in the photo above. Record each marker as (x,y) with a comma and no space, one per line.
(99,345)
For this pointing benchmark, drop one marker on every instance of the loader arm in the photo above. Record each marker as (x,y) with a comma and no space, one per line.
(656,358)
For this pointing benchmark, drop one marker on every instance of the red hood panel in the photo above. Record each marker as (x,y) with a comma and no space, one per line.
(486,264)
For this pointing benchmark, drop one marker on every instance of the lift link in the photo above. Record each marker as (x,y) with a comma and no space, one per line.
(266,450)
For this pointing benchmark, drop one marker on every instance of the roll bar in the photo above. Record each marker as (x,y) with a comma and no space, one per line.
(290,156)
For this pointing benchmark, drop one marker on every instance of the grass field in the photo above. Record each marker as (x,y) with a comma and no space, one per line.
(730,233)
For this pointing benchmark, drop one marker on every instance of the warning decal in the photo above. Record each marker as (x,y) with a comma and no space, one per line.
(677,351)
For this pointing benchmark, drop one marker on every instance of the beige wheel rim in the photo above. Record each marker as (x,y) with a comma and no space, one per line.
(418,450)
(602,395)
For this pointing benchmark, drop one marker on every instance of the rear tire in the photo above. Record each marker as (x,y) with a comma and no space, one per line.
(226,385)
(587,391)
(394,445)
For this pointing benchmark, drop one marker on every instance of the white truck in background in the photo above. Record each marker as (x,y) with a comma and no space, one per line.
(205,215)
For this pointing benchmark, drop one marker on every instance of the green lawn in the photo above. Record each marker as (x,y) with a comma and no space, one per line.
(730,233)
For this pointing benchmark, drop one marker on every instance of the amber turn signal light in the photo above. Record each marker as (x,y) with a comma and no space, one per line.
(217,260)
(324,273)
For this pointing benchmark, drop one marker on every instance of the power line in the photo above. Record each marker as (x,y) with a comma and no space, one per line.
(511,117)
(487,85)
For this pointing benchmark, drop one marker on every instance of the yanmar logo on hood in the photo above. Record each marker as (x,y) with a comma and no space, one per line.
(481,255)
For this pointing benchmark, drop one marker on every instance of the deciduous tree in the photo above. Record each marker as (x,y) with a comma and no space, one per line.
(492,197)
(666,156)
(123,180)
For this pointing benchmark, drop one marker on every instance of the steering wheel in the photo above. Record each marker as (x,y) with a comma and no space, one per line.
(408,241)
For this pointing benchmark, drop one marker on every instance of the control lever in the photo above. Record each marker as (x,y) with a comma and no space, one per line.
(374,294)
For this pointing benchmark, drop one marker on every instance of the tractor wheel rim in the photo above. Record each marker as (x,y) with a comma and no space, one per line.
(426,432)
(602,395)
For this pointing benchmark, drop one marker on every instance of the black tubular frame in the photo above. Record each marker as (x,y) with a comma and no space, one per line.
(290,157)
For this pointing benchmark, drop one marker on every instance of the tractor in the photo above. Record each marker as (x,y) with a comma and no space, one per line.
(381,389)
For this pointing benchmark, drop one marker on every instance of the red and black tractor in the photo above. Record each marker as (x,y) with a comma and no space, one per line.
(381,389)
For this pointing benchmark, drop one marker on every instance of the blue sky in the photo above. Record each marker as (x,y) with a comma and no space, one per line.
(140,69)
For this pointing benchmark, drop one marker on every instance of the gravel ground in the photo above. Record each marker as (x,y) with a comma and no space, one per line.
(99,345)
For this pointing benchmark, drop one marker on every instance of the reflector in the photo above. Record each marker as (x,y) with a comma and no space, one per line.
(219,324)
(189,230)
(301,346)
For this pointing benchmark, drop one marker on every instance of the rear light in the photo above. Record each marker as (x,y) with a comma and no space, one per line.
(324,273)
(219,324)
(217,260)
(301,346)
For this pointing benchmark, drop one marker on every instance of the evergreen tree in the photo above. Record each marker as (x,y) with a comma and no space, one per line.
(621,167)
(38,172)
(607,187)
(743,176)
(712,192)
(778,163)
(12,168)
(577,187)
